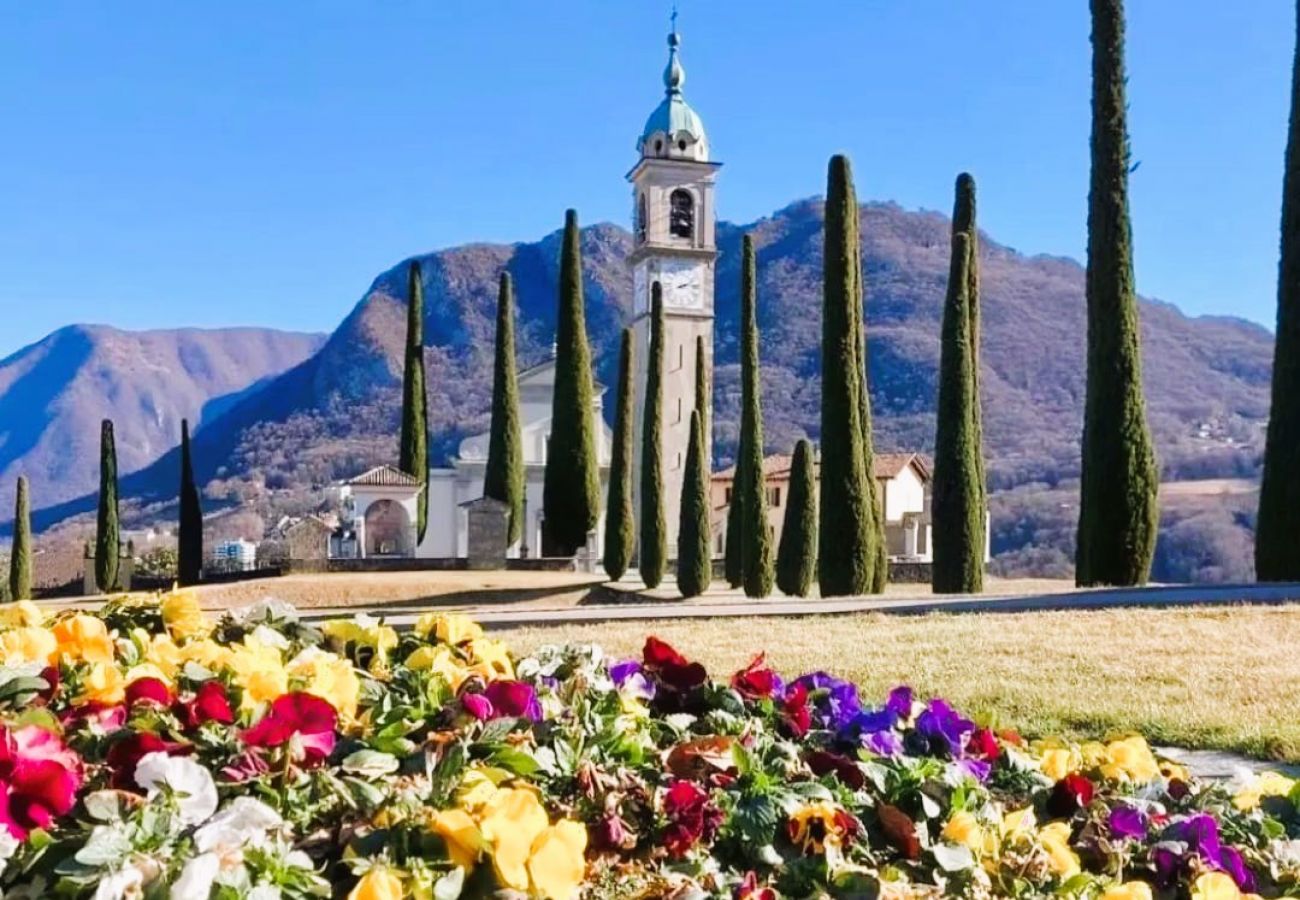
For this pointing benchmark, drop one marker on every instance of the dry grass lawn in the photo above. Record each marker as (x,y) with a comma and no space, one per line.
(1214,678)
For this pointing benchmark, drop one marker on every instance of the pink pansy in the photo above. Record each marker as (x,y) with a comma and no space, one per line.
(97,718)
(39,778)
(303,718)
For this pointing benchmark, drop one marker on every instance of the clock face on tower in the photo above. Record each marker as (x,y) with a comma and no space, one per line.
(683,284)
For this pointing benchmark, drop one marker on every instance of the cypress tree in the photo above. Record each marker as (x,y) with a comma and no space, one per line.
(958,519)
(189,538)
(571,490)
(963,220)
(796,557)
(20,560)
(703,396)
(1118,513)
(108,544)
(503,479)
(652,559)
(751,487)
(414,450)
(694,542)
(620,529)
(848,524)
(1277,530)
(733,561)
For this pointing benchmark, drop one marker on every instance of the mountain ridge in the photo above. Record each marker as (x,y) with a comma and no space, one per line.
(336,411)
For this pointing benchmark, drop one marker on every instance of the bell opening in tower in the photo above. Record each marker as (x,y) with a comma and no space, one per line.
(681,214)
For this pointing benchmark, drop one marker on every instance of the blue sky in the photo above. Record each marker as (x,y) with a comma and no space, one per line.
(244,162)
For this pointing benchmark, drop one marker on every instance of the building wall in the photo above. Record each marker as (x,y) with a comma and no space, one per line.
(903,494)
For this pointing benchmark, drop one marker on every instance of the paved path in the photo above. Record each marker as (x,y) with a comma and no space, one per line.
(733,605)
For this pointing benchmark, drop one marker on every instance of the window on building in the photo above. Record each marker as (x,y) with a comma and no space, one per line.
(681,214)
(728,500)
(681,356)
(774,496)
(678,463)
(641,219)
(679,410)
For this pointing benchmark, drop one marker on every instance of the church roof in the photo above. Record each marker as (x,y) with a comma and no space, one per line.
(885,466)
(384,476)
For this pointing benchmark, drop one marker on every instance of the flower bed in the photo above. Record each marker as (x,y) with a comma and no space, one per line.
(148,752)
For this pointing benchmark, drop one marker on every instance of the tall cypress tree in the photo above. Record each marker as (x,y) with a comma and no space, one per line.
(964,220)
(694,542)
(20,559)
(189,538)
(108,542)
(733,556)
(848,524)
(414,450)
(620,529)
(958,518)
(652,559)
(503,479)
(1118,513)
(1277,531)
(571,490)
(703,395)
(751,487)
(796,557)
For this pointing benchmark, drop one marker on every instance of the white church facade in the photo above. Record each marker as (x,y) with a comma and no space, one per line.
(381,504)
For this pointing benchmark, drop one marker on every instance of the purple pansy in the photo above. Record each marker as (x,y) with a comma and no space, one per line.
(631,680)
(834,701)
(1127,822)
(942,727)
(900,702)
(513,698)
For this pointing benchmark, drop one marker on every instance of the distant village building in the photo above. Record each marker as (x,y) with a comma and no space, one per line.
(379,506)
(234,556)
(308,539)
(903,480)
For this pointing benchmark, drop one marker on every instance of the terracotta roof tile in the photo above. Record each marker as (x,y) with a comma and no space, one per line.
(384,476)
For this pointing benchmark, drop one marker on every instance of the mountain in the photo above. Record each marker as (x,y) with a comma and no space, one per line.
(337,412)
(54,393)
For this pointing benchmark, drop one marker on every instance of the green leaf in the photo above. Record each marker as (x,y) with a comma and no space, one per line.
(370,763)
(517,761)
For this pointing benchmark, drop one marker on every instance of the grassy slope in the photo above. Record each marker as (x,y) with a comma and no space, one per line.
(1221,678)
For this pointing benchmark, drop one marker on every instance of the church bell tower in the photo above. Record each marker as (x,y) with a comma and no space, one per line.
(673,246)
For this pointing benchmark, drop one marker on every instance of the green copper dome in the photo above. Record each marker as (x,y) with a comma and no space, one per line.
(674,130)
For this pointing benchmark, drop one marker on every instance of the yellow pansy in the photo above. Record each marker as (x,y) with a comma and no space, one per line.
(1055,839)
(491,659)
(1215,886)
(183,616)
(207,653)
(440,661)
(556,864)
(31,644)
(1018,821)
(379,883)
(1130,758)
(1057,762)
(477,787)
(1267,784)
(21,614)
(1129,890)
(103,684)
(258,669)
(511,820)
(451,628)
(963,828)
(160,650)
(463,838)
(147,670)
(816,827)
(329,677)
(83,637)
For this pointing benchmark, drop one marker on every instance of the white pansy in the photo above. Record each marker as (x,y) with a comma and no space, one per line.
(264,892)
(269,637)
(196,795)
(196,878)
(124,884)
(243,822)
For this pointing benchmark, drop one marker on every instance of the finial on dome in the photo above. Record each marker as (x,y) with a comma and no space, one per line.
(674,74)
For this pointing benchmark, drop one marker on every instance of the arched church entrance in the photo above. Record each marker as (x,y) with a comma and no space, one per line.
(388,530)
